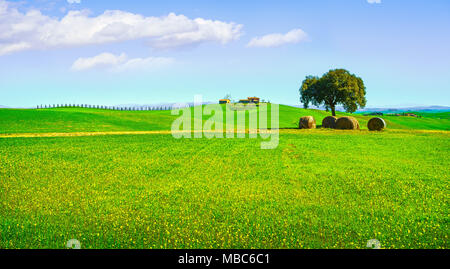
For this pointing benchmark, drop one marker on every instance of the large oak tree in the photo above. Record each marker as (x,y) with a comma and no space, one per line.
(337,86)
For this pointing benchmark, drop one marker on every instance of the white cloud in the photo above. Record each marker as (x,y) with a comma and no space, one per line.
(120,63)
(276,40)
(74,1)
(374,1)
(33,30)
(101,60)
(10,48)
(204,30)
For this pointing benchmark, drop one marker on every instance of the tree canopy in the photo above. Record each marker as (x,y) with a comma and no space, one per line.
(337,86)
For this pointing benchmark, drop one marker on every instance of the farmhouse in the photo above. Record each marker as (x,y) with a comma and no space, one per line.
(250,100)
(254,100)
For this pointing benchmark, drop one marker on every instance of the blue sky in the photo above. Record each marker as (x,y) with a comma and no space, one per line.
(56,52)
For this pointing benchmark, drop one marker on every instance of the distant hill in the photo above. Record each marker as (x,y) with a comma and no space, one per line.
(406,109)
(99,120)
(390,110)
(3,106)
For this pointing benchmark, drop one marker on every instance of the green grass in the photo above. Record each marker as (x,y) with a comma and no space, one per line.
(81,120)
(317,189)
(94,120)
(437,114)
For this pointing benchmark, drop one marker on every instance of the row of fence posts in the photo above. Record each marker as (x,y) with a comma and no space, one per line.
(135,108)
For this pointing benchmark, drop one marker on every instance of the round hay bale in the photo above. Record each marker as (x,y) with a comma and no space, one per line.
(347,123)
(307,122)
(376,124)
(329,122)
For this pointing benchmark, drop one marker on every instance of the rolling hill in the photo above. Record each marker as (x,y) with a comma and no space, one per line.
(97,120)
(316,189)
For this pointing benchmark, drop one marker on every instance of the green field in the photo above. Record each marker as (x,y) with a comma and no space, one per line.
(96,120)
(317,189)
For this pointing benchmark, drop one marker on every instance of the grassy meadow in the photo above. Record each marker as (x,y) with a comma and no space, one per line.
(318,189)
(66,120)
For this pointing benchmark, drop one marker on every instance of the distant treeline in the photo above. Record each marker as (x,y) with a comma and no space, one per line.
(131,108)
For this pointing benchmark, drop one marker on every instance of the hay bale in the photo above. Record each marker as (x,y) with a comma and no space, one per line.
(307,122)
(329,122)
(347,123)
(376,124)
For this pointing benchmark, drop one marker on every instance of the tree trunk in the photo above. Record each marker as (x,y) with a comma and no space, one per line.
(333,110)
